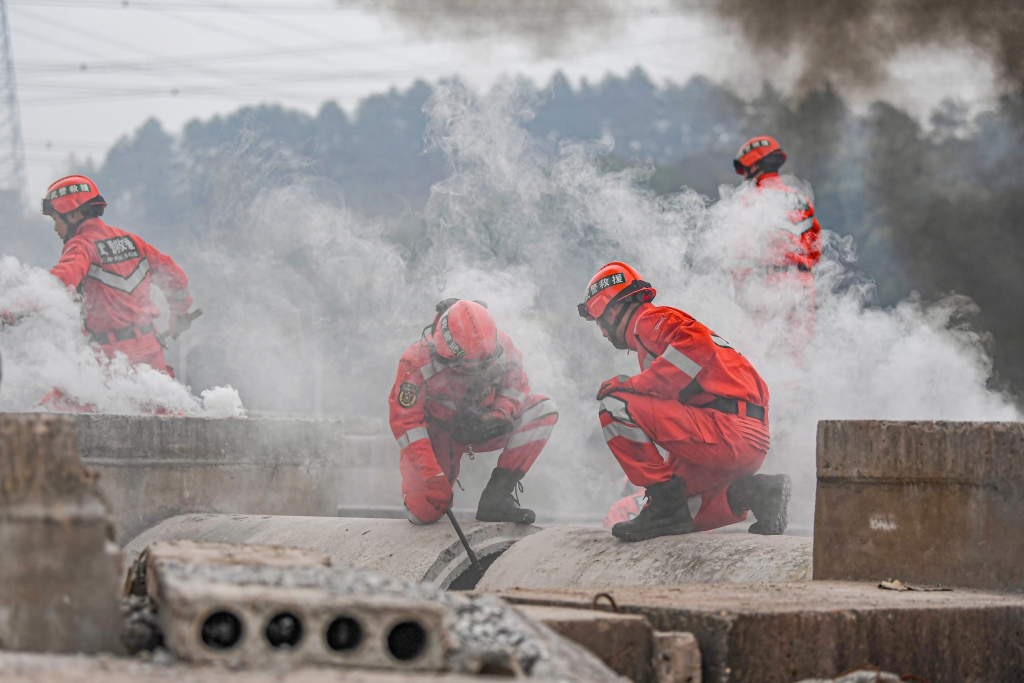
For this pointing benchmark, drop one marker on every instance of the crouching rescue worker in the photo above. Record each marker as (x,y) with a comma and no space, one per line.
(461,390)
(113,270)
(693,422)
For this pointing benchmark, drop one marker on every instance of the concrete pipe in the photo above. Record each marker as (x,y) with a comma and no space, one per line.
(425,554)
(562,557)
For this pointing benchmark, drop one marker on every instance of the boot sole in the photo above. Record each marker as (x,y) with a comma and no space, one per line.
(676,530)
(777,525)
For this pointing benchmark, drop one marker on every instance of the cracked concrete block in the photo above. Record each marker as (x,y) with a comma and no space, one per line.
(59,567)
(922,502)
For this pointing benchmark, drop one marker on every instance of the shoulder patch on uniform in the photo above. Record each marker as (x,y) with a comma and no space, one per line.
(117,249)
(407,394)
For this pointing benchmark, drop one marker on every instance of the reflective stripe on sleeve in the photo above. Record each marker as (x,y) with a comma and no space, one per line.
(542,409)
(512,394)
(614,429)
(115,281)
(523,438)
(450,405)
(681,361)
(411,436)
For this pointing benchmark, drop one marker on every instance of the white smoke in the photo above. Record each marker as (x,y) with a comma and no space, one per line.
(308,307)
(45,350)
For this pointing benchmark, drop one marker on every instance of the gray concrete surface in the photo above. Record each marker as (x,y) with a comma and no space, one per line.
(924,502)
(431,554)
(756,632)
(59,568)
(153,468)
(51,668)
(560,557)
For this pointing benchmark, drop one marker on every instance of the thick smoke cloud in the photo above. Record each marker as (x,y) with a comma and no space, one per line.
(545,24)
(848,42)
(851,41)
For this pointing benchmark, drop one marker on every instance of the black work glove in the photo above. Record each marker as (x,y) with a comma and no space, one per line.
(490,425)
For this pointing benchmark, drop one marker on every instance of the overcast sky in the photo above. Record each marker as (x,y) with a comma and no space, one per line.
(91,71)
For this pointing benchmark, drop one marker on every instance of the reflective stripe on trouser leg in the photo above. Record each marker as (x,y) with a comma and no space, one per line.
(632,447)
(536,421)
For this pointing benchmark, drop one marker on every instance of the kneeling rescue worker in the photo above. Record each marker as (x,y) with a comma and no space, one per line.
(112,270)
(693,422)
(461,389)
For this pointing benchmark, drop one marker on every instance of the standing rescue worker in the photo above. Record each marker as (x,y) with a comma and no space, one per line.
(693,422)
(787,261)
(112,270)
(461,389)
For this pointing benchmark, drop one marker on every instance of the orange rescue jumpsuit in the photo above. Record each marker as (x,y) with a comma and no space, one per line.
(664,423)
(113,270)
(428,397)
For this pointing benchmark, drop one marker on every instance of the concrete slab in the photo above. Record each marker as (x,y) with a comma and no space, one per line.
(622,641)
(581,556)
(156,467)
(59,567)
(431,554)
(925,502)
(50,668)
(789,631)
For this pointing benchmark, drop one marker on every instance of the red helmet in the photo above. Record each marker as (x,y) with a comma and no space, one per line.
(466,332)
(754,150)
(70,193)
(615,281)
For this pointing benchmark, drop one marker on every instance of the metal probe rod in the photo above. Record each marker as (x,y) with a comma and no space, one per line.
(465,542)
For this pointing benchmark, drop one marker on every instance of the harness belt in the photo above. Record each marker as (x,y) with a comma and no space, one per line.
(732,407)
(123,334)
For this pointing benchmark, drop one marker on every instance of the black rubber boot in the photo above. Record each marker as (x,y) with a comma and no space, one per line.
(498,502)
(767,497)
(666,514)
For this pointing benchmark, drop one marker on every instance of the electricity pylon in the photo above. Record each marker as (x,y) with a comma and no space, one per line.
(12,147)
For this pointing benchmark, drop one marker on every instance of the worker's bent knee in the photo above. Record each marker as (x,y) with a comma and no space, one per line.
(616,405)
(425,514)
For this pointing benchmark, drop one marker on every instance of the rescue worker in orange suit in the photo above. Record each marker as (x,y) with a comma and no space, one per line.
(792,254)
(113,270)
(461,389)
(693,422)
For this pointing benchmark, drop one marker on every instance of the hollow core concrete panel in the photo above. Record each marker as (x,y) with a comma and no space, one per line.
(430,553)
